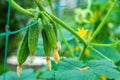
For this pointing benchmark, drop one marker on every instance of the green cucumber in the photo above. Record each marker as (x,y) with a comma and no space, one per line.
(23,50)
(33,35)
(46,44)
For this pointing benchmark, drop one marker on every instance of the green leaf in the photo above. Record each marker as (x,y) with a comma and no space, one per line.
(110,52)
(71,69)
(27,74)
(48,75)
(11,75)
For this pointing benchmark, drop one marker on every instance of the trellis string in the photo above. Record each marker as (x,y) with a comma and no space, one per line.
(7,33)
(6,41)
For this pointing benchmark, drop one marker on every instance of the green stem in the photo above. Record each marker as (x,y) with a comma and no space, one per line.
(51,7)
(101,54)
(104,20)
(26,27)
(20,9)
(106,45)
(39,5)
(65,41)
(83,51)
(89,4)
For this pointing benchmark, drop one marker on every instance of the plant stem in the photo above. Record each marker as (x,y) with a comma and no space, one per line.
(21,29)
(101,54)
(89,4)
(103,21)
(106,45)
(51,7)
(24,28)
(39,5)
(83,51)
(20,9)
(65,41)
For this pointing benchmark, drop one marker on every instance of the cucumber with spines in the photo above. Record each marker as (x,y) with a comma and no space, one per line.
(50,35)
(47,46)
(23,51)
(33,36)
(53,24)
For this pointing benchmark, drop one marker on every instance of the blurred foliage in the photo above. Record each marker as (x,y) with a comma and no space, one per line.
(93,65)
(109,34)
(12,75)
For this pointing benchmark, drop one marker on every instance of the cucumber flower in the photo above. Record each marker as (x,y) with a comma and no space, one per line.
(82,32)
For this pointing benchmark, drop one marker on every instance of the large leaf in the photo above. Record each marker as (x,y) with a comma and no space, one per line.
(48,75)
(71,69)
(27,74)
(110,52)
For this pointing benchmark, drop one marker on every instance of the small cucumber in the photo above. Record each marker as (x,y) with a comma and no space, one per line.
(33,35)
(23,50)
(46,44)
(50,35)
(52,23)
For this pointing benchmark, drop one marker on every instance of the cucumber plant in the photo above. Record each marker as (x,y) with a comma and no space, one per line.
(52,45)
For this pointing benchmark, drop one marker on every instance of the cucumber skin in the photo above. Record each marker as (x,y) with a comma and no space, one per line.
(47,46)
(33,35)
(23,50)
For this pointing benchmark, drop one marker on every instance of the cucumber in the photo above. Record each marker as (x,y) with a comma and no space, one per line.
(52,23)
(50,35)
(23,50)
(46,44)
(23,53)
(33,36)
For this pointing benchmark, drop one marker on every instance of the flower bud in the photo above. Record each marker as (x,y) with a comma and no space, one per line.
(32,58)
(103,77)
(19,70)
(56,56)
(58,45)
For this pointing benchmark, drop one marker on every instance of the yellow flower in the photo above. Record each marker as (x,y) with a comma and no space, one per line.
(103,77)
(110,25)
(92,20)
(82,32)
(56,56)
(49,63)
(19,70)
(87,52)
(58,45)
(97,14)
(84,68)
(77,48)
